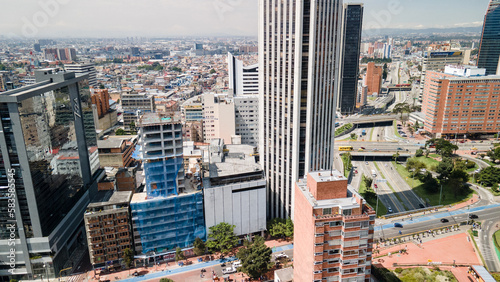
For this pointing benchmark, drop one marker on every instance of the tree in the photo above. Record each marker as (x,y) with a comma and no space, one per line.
(443,147)
(166,280)
(411,130)
(414,164)
(212,71)
(419,153)
(488,176)
(368,181)
(279,227)
(179,254)
(199,247)
(417,125)
(128,257)
(354,136)
(255,257)
(221,238)
(401,108)
(395,157)
(444,168)
(120,131)
(132,127)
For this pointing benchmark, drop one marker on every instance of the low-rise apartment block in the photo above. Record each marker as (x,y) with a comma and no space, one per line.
(333,230)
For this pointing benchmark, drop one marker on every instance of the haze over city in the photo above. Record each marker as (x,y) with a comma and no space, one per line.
(164,18)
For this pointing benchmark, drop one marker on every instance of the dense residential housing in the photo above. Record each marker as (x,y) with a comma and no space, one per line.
(333,230)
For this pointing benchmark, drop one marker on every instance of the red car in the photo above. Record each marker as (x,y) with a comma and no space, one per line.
(375,185)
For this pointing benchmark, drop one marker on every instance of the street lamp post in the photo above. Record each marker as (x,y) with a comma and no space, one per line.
(441,194)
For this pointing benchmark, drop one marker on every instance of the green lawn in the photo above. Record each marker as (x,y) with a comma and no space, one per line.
(418,188)
(343,128)
(473,168)
(382,210)
(496,239)
(395,124)
(434,156)
(429,162)
(371,134)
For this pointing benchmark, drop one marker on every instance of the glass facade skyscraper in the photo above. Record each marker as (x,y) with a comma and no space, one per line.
(48,142)
(489,49)
(353,23)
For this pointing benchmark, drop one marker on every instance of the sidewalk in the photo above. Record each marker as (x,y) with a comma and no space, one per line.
(171,268)
(441,249)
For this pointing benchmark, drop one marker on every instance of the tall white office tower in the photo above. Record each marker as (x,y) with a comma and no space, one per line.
(299,61)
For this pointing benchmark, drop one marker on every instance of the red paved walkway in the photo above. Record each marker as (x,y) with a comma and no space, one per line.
(446,250)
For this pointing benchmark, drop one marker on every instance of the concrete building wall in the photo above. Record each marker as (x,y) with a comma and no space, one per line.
(241,204)
(247,118)
(218,114)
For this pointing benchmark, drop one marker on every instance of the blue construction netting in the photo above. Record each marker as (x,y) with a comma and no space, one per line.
(166,223)
(161,176)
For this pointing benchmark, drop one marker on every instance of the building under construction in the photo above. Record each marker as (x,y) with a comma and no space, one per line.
(169,213)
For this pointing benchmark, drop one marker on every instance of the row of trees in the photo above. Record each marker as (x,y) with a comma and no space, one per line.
(405,108)
(255,256)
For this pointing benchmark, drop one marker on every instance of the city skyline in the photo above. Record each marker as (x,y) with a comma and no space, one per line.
(66,18)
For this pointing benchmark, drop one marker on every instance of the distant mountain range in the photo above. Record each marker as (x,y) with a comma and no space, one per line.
(424,31)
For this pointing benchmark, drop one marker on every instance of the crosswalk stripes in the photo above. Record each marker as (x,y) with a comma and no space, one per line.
(76,278)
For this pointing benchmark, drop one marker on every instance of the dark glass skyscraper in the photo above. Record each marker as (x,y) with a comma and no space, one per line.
(489,49)
(353,22)
(50,162)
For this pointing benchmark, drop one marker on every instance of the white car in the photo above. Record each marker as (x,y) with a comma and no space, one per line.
(229,270)
(237,264)
(281,255)
(389,209)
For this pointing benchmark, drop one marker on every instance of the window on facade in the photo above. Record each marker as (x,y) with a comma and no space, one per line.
(327,211)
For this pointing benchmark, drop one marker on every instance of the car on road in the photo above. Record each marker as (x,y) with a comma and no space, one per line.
(237,264)
(376,150)
(398,225)
(462,141)
(363,148)
(375,185)
(444,220)
(473,153)
(280,255)
(356,171)
(366,163)
(389,209)
(399,148)
(360,150)
(473,216)
(229,270)
(474,148)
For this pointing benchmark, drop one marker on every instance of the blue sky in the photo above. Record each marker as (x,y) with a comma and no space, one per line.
(423,13)
(122,18)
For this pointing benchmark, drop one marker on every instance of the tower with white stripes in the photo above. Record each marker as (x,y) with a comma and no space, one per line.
(299,61)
